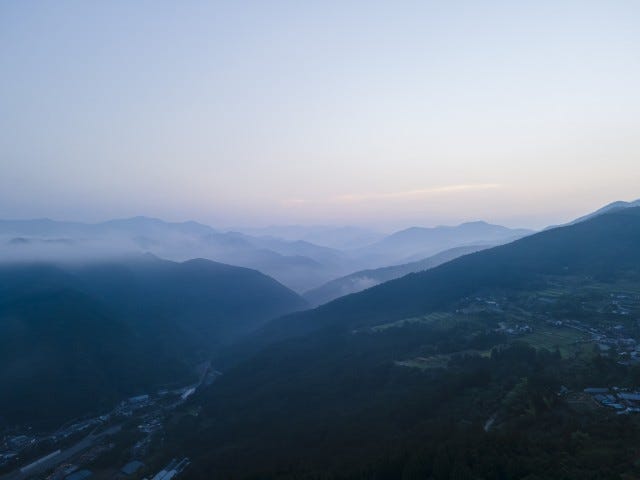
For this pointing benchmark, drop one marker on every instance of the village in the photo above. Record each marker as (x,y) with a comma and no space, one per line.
(610,322)
(66,453)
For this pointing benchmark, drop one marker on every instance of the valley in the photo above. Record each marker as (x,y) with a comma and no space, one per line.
(489,354)
(102,445)
(397,377)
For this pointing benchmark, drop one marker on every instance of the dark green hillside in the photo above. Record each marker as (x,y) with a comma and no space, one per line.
(85,336)
(340,408)
(428,376)
(206,298)
(62,355)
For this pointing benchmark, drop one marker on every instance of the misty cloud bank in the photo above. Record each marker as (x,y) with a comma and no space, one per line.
(284,253)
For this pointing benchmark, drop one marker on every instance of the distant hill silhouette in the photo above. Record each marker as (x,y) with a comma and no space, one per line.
(364,279)
(293,260)
(417,243)
(341,238)
(296,263)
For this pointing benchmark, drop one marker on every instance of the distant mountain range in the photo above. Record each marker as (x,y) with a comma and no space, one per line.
(303,258)
(341,238)
(417,243)
(296,262)
(364,279)
(88,334)
(135,226)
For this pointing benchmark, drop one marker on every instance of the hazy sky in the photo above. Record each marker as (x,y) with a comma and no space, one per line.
(382,113)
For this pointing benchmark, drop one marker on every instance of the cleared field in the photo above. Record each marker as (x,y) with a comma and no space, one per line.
(424,363)
(567,340)
(552,293)
(439,361)
(437,320)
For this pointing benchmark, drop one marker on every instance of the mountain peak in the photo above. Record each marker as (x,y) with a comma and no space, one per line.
(613,206)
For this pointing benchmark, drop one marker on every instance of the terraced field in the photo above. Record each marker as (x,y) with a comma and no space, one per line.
(437,320)
(567,340)
(439,361)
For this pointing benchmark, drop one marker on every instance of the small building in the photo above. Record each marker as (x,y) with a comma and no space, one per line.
(19,441)
(632,396)
(79,475)
(605,399)
(595,390)
(132,467)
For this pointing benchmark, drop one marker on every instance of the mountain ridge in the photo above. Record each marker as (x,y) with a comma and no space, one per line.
(409,295)
(92,333)
(364,279)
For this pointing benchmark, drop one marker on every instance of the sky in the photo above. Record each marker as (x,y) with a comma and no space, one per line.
(384,114)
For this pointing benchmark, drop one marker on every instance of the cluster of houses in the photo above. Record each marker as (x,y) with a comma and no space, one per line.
(623,304)
(624,401)
(18,446)
(127,407)
(77,427)
(12,445)
(614,339)
(7,458)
